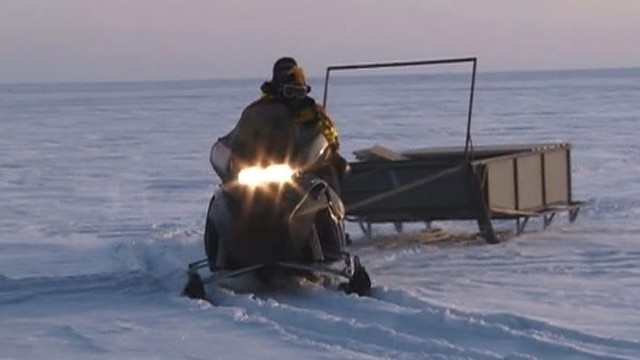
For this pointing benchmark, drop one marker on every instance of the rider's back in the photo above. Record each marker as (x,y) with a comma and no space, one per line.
(265,131)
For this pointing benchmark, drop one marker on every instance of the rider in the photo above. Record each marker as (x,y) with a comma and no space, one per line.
(285,102)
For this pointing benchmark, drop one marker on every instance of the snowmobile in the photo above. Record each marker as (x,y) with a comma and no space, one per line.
(274,213)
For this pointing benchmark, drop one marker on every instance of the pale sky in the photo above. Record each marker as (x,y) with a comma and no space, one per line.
(121,40)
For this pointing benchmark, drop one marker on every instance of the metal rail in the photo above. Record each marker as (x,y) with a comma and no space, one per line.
(468,148)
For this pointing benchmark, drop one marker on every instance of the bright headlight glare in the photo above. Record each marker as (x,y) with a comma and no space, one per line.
(255,176)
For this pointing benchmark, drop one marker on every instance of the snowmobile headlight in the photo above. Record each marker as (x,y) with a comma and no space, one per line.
(256,176)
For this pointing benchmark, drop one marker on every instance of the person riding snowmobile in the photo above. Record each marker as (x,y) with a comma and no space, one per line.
(278,208)
(266,126)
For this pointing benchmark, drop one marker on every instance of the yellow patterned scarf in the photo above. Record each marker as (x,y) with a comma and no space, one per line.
(324,123)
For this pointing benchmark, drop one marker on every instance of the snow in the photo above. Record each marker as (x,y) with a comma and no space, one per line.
(103,190)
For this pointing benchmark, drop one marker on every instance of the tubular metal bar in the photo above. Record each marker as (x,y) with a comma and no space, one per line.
(468,144)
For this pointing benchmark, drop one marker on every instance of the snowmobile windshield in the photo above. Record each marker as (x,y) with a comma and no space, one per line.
(307,152)
(302,150)
(310,148)
(220,158)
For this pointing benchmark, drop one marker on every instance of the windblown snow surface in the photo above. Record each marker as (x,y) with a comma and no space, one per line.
(104,188)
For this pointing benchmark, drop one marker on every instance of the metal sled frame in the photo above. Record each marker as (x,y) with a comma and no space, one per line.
(484,183)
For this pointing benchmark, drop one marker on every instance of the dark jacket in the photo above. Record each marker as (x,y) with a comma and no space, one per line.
(266,127)
(266,131)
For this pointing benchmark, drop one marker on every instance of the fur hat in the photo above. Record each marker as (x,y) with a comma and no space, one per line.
(286,72)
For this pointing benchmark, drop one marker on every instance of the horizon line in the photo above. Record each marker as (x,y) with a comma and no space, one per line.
(206,79)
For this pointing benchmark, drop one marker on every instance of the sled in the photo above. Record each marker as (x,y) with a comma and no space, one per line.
(482,183)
